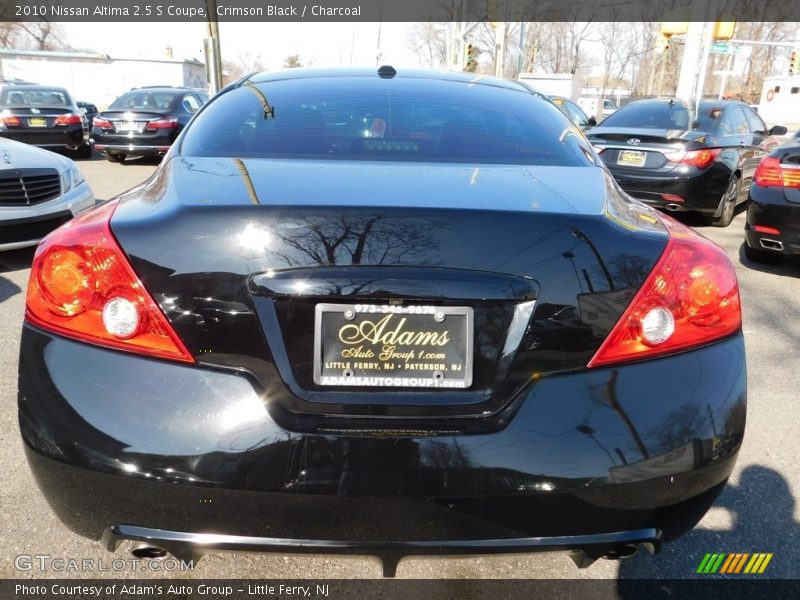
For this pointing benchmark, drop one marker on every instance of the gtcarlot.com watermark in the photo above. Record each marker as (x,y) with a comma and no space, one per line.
(44,563)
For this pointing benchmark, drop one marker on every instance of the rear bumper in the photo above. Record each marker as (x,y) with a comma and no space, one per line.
(700,191)
(133,149)
(587,457)
(771,210)
(70,136)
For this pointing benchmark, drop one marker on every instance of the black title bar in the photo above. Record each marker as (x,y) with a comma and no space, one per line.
(396,10)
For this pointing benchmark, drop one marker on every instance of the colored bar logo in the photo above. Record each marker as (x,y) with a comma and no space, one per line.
(734,563)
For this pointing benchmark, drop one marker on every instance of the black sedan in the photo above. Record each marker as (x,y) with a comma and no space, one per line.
(772,230)
(665,153)
(447,331)
(43,116)
(144,121)
(574,112)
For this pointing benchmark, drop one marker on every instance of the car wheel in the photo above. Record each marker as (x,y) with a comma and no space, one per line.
(84,151)
(117,158)
(727,204)
(762,256)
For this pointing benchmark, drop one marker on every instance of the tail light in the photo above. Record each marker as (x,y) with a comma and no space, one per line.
(771,173)
(11,121)
(694,158)
(82,286)
(102,123)
(170,123)
(69,119)
(690,299)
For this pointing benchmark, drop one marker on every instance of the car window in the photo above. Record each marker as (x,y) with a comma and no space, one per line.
(144,100)
(576,113)
(734,122)
(754,121)
(190,103)
(37,97)
(361,119)
(650,115)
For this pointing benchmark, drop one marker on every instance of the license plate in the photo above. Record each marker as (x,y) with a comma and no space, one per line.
(631,158)
(381,345)
(129,126)
(37,122)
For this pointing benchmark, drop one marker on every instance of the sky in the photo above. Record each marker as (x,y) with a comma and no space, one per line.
(321,44)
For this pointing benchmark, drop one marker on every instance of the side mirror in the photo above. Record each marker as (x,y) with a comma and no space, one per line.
(778,130)
(592,122)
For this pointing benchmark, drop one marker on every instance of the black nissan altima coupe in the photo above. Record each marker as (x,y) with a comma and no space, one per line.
(666,153)
(387,313)
(772,230)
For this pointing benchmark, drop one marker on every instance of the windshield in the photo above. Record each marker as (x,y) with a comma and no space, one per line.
(360,118)
(35,97)
(143,100)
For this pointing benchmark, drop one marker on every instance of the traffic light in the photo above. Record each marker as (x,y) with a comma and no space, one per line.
(794,67)
(723,30)
(470,58)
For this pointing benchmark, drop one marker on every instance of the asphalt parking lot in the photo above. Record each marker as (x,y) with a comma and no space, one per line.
(757,512)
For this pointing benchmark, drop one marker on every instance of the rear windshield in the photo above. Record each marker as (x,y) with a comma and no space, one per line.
(141,100)
(358,118)
(37,97)
(663,115)
(650,115)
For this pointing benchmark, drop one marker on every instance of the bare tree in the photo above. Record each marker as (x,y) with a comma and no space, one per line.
(292,62)
(427,40)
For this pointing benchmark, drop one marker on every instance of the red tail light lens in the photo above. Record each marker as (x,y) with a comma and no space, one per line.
(162,124)
(11,121)
(69,119)
(694,158)
(691,298)
(771,173)
(102,123)
(82,286)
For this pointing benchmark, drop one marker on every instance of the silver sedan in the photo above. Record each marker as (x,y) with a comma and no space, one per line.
(39,190)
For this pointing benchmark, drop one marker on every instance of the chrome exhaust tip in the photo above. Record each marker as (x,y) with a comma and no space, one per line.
(672,207)
(768,244)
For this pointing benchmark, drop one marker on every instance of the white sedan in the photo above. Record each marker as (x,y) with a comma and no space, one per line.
(39,190)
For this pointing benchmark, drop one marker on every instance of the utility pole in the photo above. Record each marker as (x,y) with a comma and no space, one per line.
(212,49)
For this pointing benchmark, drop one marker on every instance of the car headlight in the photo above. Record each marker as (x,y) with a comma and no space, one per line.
(71,178)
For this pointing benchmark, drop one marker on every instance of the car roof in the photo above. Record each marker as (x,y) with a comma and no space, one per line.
(348,72)
(35,87)
(159,88)
(703,103)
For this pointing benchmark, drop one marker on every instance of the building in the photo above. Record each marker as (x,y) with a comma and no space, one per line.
(99,78)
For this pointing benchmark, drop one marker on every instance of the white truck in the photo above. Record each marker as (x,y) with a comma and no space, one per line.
(553,84)
(599,108)
(780,102)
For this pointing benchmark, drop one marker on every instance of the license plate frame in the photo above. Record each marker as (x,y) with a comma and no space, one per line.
(37,122)
(362,360)
(631,158)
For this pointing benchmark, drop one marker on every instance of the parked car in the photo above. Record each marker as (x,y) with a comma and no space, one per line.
(447,332)
(144,121)
(43,116)
(772,230)
(39,190)
(664,154)
(574,112)
(89,111)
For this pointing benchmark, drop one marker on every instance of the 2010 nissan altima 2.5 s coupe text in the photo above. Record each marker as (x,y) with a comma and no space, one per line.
(386,313)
